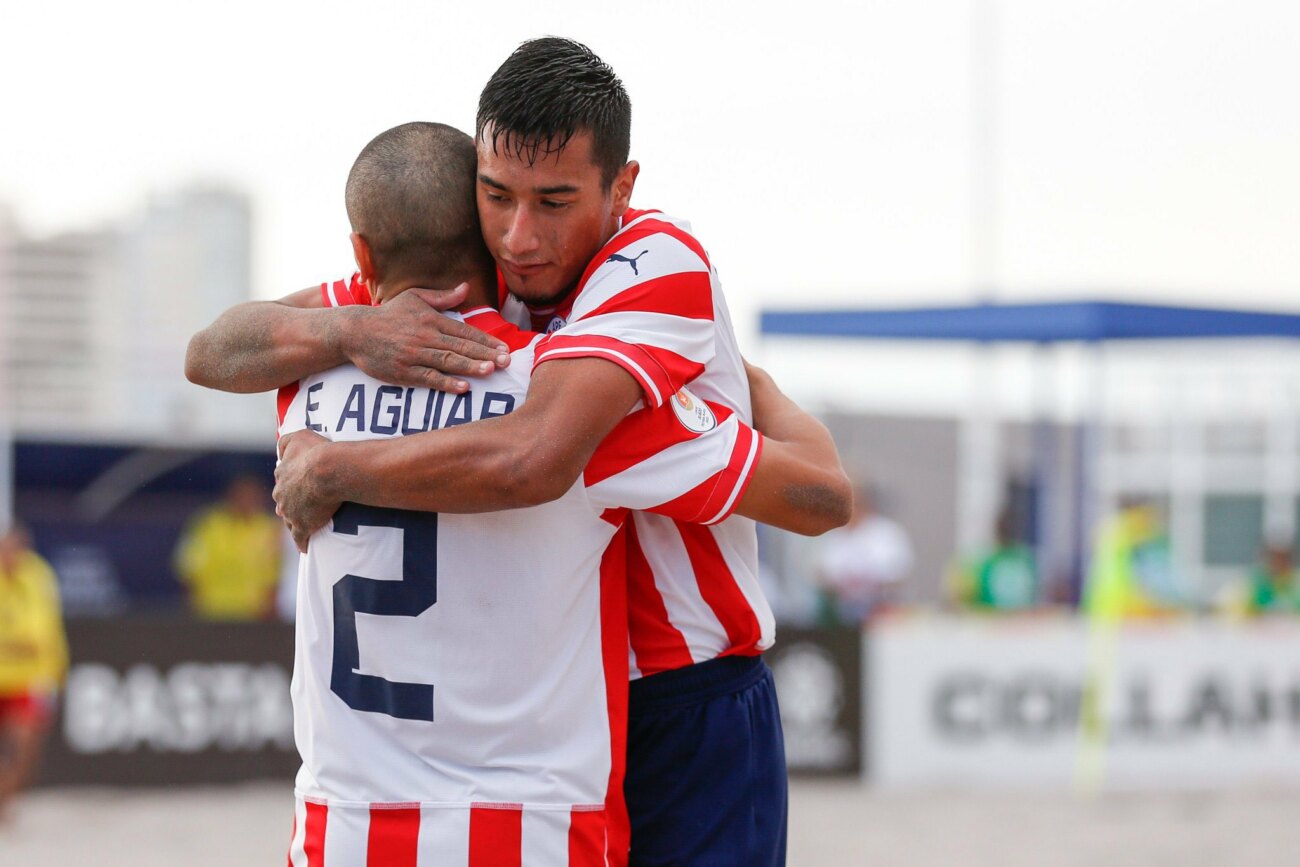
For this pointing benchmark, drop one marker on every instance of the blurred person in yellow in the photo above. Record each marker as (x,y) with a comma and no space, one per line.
(1132,573)
(33,658)
(1131,578)
(229,556)
(1002,578)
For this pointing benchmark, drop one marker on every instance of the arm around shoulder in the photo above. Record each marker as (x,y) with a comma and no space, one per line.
(528,457)
(261,345)
(798,482)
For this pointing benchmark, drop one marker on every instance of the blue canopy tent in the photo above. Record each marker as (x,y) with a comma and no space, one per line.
(1084,322)
(1091,323)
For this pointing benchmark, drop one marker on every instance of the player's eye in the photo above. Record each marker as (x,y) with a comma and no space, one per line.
(554,205)
(493,197)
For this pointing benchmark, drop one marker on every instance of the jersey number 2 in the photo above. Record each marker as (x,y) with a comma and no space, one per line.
(410,597)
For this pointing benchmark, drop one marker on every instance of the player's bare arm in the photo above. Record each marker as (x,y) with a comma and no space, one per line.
(535,454)
(798,484)
(528,457)
(261,345)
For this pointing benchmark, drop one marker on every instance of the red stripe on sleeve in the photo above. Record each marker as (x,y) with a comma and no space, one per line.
(394,836)
(325,295)
(719,590)
(313,843)
(745,445)
(650,227)
(496,836)
(648,431)
(656,643)
(587,838)
(712,501)
(630,442)
(659,372)
(688,295)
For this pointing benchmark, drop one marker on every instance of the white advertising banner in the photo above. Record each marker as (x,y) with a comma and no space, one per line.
(1050,702)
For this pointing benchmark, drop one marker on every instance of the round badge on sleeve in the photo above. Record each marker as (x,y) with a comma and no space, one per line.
(693,413)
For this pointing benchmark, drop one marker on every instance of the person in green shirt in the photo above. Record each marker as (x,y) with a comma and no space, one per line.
(1273,585)
(1003,578)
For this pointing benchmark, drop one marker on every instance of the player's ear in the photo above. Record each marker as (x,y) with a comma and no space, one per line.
(621,188)
(365,259)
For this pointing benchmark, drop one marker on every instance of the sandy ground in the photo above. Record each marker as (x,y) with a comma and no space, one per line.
(832,825)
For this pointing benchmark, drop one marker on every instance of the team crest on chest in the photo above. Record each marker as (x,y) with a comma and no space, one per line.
(693,413)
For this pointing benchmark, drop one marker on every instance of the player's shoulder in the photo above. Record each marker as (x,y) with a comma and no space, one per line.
(649,246)
(347,292)
(659,233)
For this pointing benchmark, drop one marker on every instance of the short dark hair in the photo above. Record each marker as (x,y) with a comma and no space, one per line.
(550,89)
(410,194)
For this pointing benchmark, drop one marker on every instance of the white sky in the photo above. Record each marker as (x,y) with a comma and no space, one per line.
(822,150)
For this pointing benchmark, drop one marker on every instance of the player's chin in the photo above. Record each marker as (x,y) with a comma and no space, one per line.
(537,292)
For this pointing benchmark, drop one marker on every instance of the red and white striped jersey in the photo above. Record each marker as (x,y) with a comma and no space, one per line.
(652,302)
(459,684)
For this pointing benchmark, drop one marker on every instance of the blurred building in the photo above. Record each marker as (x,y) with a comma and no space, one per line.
(95,323)
(56,298)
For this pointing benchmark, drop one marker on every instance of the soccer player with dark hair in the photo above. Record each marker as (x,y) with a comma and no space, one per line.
(458,700)
(633,313)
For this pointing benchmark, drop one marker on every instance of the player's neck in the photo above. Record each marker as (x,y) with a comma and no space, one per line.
(479,293)
(482,293)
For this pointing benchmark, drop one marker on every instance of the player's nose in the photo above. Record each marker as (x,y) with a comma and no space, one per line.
(521,238)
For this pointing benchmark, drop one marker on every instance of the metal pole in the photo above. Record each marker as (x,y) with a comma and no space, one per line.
(1046,470)
(1095,490)
(985,179)
(980,459)
(1187,494)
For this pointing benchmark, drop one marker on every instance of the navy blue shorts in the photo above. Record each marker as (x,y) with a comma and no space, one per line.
(706,783)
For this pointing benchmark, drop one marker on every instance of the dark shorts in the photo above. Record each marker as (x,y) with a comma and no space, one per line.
(706,783)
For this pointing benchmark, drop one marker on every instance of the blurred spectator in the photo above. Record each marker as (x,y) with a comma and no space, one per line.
(862,565)
(1003,578)
(33,658)
(1271,587)
(1132,570)
(229,556)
